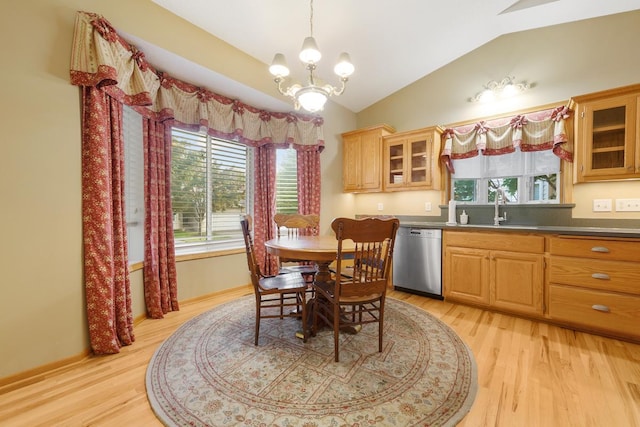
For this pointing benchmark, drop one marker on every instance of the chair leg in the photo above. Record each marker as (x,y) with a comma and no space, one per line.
(304,315)
(258,311)
(281,306)
(380,325)
(336,330)
(314,307)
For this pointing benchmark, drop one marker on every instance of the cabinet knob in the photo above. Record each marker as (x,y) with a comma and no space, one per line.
(601,276)
(601,307)
(600,249)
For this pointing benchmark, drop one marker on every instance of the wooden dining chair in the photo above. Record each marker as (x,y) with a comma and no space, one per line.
(360,298)
(294,226)
(274,293)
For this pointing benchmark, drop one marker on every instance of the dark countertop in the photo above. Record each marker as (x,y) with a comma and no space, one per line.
(578,231)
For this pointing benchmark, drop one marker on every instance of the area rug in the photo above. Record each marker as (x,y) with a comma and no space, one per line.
(209,373)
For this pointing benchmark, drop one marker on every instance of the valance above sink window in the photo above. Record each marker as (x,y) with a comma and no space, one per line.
(536,131)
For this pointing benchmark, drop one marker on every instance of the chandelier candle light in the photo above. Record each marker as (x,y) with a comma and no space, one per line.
(503,89)
(314,95)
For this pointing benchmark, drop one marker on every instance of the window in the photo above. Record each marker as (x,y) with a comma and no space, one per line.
(286,181)
(529,177)
(210,191)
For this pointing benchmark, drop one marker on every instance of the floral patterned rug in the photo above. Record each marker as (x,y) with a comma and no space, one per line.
(209,373)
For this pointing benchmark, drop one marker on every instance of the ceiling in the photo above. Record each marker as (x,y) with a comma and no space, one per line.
(392,43)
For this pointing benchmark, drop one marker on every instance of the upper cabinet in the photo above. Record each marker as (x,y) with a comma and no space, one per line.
(410,160)
(608,135)
(362,159)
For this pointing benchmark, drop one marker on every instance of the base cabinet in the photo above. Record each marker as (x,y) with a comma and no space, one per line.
(594,284)
(493,270)
(518,282)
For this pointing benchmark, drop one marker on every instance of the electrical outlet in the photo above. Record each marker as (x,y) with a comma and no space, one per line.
(427,206)
(380,206)
(628,205)
(602,205)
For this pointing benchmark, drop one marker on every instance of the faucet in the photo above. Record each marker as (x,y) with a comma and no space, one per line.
(496,216)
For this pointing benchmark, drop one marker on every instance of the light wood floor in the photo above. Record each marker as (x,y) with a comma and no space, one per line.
(529,374)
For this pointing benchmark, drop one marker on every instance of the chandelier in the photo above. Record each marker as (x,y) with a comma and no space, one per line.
(505,88)
(314,95)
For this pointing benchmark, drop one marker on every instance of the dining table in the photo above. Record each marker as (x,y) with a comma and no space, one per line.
(322,250)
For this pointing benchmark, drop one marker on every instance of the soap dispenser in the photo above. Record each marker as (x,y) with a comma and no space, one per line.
(464,218)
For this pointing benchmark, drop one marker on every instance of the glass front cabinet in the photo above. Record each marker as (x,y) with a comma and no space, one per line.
(410,160)
(608,135)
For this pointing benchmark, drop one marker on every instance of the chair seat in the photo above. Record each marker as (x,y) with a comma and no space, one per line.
(328,287)
(302,269)
(293,282)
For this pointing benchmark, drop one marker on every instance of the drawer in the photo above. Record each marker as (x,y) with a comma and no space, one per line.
(614,276)
(509,242)
(576,306)
(606,249)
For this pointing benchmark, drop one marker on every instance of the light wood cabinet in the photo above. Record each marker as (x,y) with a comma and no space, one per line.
(410,160)
(608,135)
(362,159)
(497,270)
(594,284)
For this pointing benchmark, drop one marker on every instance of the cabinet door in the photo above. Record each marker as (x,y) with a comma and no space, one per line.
(517,281)
(607,133)
(370,159)
(351,163)
(419,159)
(394,164)
(466,275)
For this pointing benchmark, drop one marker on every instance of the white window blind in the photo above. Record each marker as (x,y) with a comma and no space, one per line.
(209,180)
(286,181)
(134,183)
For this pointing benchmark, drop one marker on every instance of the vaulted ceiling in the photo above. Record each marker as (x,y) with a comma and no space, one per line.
(392,43)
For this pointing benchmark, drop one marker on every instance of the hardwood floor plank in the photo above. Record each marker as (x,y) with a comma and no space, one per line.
(529,374)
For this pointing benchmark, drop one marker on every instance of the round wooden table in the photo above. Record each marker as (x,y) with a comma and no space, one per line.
(320,249)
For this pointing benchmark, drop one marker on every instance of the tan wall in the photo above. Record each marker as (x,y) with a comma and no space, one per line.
(42,305)
(43,317)
(559,61)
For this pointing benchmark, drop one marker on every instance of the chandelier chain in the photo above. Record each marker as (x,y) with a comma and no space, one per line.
(311,19)
(311,96)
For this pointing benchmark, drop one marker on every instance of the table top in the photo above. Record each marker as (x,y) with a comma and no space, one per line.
(312,248)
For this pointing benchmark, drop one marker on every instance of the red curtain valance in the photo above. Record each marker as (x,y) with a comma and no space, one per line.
(102,58)
(537,131)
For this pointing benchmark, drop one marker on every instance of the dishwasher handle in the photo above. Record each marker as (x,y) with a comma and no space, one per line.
(425,233)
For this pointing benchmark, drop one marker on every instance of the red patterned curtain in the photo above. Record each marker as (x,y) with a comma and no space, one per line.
(106,263)
(160,284)
(264,205)
(309,179)
(101,60)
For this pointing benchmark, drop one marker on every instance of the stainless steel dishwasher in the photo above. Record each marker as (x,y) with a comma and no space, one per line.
(417,261)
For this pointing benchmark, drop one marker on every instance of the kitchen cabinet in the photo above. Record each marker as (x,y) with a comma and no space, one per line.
(410,160)
(594,284)
(504,271)
(607,128)
(362,159)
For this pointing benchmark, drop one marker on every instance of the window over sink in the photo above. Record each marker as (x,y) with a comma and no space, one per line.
(525,177)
